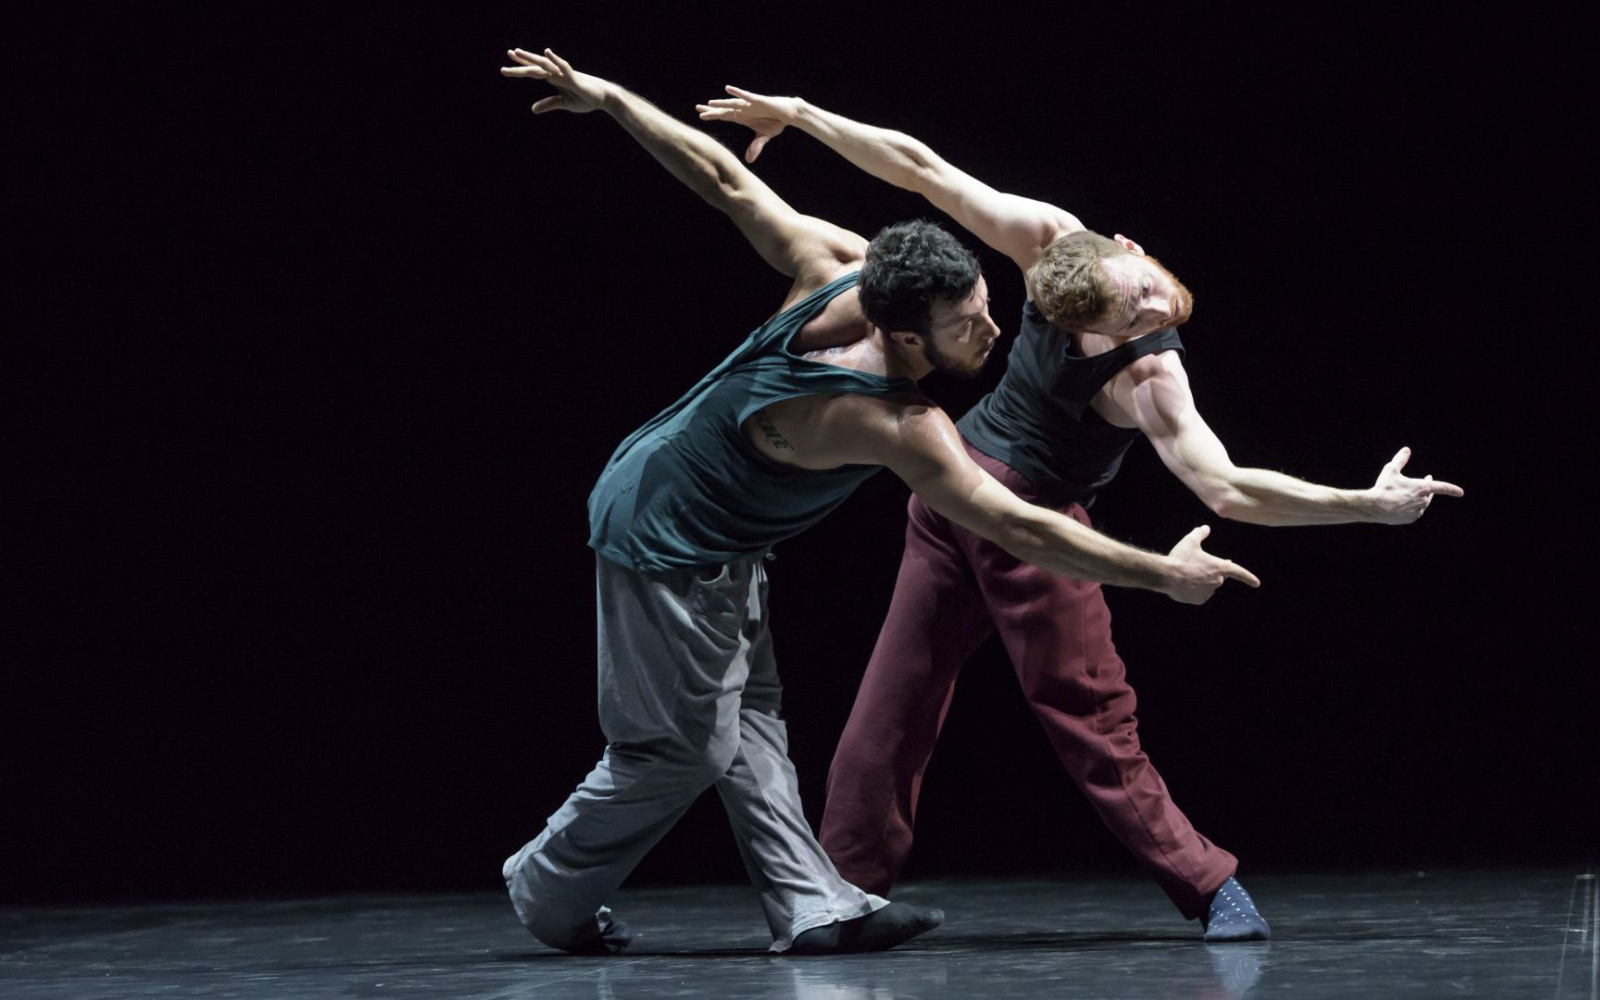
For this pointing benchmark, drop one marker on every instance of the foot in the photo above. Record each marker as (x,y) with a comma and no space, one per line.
(614,936)
(877,931)
(1232,916)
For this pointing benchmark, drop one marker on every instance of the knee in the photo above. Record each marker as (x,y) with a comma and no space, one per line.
(691,764)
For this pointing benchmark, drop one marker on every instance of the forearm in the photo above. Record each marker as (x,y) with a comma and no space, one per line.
(1260,496)
(1063,546)
(885,154)
(690,155)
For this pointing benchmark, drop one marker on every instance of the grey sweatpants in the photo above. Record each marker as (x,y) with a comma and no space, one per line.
(689,699)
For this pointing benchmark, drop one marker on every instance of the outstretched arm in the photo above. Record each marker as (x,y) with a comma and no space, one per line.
(1018,227)
(1154,393)
(799,246)
(923,448)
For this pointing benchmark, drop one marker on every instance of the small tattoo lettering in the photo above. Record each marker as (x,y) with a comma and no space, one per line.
(770,431)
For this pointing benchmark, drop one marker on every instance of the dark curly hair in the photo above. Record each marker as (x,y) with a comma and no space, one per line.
(908,266)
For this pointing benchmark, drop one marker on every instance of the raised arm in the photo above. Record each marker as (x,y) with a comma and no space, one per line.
(800,246)
(1018,227)
(922,447)
(1154,393)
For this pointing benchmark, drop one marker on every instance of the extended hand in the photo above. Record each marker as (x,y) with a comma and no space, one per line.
(576,92)
(765,116)
(1197,573)
(1401,499)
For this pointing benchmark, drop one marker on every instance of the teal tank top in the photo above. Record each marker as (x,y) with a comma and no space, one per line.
(688,490)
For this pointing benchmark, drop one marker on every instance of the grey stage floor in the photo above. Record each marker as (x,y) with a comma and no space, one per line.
(1502,935)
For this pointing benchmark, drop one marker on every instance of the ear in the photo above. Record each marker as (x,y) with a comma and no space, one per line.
(906,338)
(1128,244)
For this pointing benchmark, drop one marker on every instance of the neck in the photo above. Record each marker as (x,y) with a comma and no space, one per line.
(899,361)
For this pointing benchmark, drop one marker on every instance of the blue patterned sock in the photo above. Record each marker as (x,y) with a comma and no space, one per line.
(1233,917)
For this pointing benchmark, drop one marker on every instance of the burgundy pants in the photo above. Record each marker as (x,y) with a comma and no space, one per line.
(954,589)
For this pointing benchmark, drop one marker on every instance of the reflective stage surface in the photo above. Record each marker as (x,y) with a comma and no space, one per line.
(1500,935)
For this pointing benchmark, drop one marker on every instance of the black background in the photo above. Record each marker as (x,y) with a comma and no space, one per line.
(319,340)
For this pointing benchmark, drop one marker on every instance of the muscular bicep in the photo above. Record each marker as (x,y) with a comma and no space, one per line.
(924,449)
(1155,394)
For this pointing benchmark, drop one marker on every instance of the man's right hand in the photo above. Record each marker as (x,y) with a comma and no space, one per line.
(576,92)
(1194,574)
(765,116)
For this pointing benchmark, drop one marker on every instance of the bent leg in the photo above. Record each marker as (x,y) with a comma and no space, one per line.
(1058,633)
(936,619)
(669,707)
(798,886)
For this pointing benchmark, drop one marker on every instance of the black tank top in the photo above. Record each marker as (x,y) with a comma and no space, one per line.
(1038,419)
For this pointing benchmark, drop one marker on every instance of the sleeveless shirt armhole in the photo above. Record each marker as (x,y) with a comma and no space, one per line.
(827,293)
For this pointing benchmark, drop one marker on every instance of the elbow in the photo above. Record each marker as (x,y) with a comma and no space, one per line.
(1226,501)
(1021,535)
(913,165)
(721,188)
(919,174)
(1226,507)
(726,195)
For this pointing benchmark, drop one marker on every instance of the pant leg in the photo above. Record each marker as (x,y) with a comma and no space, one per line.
(1058,634)
(798,886)
(669,693)
(936,620)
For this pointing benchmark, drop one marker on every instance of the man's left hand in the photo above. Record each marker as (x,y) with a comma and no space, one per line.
(1399,499)
(765,116)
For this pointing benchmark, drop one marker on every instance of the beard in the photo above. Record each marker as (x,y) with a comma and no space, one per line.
(950,366)
(1185,300)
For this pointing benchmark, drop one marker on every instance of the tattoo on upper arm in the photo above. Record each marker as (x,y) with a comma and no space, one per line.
(770,431)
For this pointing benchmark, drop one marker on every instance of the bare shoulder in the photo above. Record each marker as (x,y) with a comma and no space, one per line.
(1049,224)
(832,251)
(882,431)
(1057,222)
(829,260)
(1161,366)
(1154,376)
(884,413)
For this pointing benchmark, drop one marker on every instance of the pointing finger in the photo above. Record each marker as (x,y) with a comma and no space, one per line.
(1234,571)
(1448,489)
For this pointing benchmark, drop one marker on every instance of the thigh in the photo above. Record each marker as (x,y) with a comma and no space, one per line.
(673,658)
(1057,630)
(936,619)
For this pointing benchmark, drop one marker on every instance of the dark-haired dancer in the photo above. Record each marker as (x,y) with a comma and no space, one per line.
(1097,363)
(812,403)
